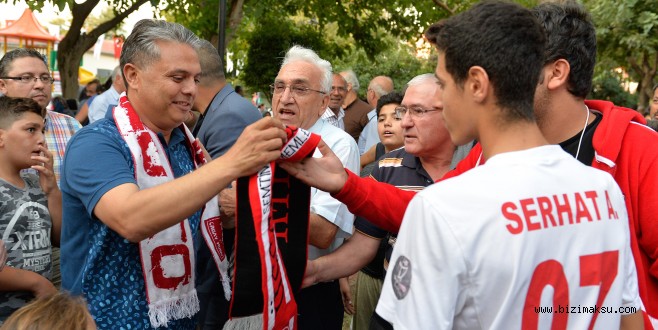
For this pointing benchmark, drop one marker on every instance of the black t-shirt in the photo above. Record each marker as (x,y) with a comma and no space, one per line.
(586,154)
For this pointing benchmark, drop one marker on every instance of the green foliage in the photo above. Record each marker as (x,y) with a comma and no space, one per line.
(608,86)
(398,62)
(199,16)
(626,38)
(268,44)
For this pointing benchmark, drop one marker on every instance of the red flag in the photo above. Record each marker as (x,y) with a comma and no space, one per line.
(118,45)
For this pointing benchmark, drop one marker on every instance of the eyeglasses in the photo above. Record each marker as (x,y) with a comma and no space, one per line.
(339,89)
(414,112)
(295,90)
(29,79)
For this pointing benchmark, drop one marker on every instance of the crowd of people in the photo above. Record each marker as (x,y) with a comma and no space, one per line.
(453,201)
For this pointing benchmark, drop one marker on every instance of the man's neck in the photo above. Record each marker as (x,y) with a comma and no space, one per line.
(335,111)
(437,165)
(564,118)
(166,133)
(206,94)
(349,99)
(512,136)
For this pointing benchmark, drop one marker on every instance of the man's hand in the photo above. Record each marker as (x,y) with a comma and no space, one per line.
(346,292)
(326,173)
(227,204)
(47,178)
(310,275)
(259,144)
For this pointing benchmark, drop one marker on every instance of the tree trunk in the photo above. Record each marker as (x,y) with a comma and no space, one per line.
(234,19)
(68,59)
(647,70)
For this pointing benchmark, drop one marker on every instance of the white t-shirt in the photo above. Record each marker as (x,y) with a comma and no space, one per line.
(470,247)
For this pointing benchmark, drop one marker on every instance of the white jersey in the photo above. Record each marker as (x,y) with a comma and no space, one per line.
(530,239)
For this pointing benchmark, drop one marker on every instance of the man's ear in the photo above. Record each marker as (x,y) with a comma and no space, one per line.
(3,86)
(2,137)
(324,105)
(477,84)
(557,74)
(132,76)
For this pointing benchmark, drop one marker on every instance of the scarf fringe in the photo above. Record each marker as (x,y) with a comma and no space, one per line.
(175,308)
(253,322)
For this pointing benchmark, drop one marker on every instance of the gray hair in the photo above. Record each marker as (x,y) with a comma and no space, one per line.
(17,53)
(115,72)
(351,79)
(212,68)
(141,47)
(421,79)
(378,88)
(299,53)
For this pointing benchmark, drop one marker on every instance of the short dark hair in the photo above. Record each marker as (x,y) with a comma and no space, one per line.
(390,98)
(570,35)
(12,108)
(212,67)
(505,40)
(99,86)
(10,56)
(141,48)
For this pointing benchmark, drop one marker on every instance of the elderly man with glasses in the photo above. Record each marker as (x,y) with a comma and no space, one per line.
(300,96)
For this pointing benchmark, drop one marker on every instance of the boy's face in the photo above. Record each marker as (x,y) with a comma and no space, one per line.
(22,140)
(460,122)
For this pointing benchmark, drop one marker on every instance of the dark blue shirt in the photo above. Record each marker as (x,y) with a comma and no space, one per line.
(404,171)
(96,261)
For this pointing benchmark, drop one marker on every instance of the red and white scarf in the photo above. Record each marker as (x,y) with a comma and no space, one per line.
(168,258)
(272,237)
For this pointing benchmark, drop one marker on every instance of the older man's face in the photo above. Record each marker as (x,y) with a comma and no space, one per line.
(424,135)
(164,91)
(301,109)
(36,90)
(338,92)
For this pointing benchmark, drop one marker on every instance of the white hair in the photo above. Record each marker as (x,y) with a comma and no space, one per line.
(421,79)
(299,53)
(351,79)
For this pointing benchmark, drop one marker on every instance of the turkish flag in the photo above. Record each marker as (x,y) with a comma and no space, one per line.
(118,45)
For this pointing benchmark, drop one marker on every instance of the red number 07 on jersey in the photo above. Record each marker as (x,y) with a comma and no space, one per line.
(551,272)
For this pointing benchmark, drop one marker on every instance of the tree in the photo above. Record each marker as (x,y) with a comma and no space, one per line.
(400,62)
(269,42)
(75,43)
(626,37)
(358,19)
(357,29)
(608,86)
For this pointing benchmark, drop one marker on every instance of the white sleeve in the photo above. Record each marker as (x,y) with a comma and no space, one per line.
(328,207)
(425,286)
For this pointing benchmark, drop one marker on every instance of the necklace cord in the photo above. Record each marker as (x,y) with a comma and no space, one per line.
(583,133)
